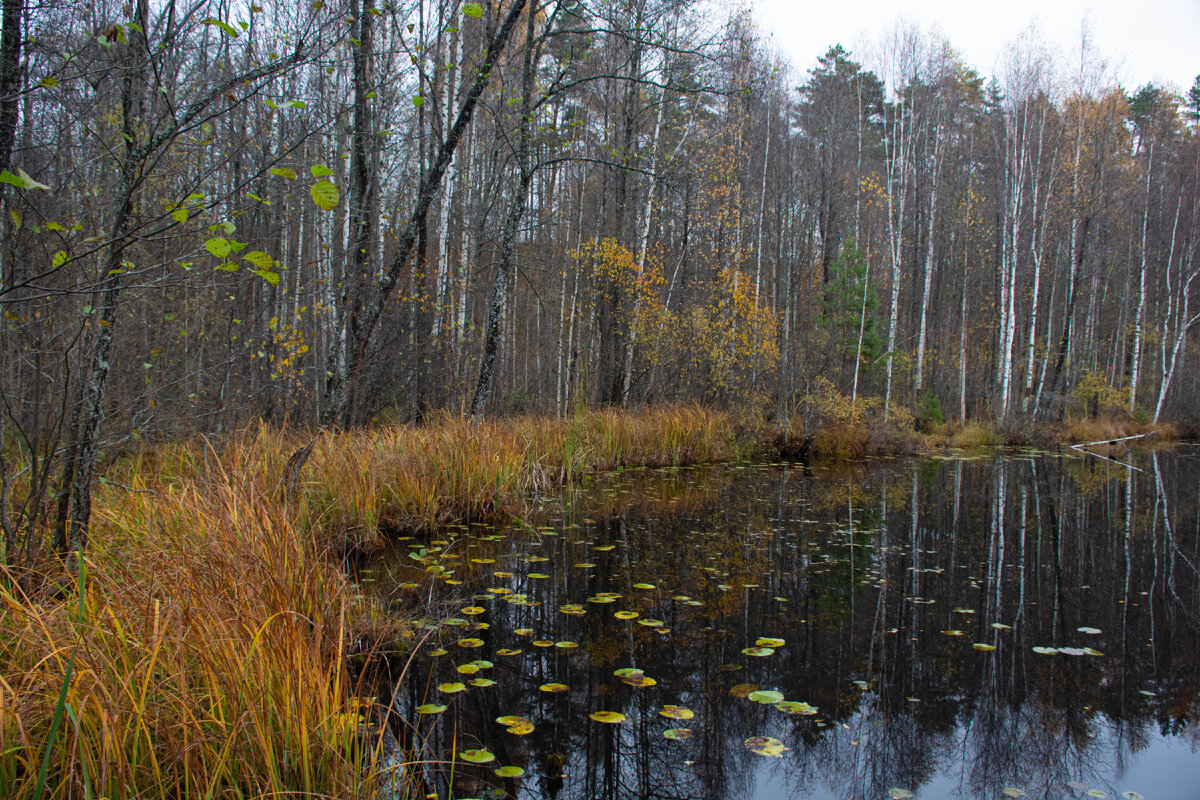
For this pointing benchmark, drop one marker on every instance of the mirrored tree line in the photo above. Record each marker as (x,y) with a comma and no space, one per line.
(347,211)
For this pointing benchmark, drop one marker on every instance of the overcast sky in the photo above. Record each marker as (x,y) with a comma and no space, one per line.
(1150,40)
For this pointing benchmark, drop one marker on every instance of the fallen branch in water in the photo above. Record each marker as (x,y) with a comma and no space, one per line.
(1083,448)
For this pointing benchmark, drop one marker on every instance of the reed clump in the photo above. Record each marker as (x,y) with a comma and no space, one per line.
(200,652)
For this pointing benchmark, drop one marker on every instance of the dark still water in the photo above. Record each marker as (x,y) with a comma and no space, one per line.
(1024,625)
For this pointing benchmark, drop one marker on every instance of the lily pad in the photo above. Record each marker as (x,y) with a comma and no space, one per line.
(982,646)
(896,793)
(482,682)
(759,651)
(796,707)
(430,708)
(610,717)
(451,688)
(1045,651)
(644,586)
(768,641)
(470,642)
(743,689)
(508,651)
(626,615)
(509,772)
(767,697)
(1089,631)
(677,712)
(677,733)
(766,746)
(554,688)
(1012,791)
(481,756)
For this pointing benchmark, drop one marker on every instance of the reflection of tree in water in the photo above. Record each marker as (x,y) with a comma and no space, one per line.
(862,571)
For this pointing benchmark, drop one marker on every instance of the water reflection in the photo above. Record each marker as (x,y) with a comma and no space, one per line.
(910,597)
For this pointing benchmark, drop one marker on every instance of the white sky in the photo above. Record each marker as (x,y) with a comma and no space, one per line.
(1150,40)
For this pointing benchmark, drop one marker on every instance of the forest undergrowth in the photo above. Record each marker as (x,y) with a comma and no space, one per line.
(206,643)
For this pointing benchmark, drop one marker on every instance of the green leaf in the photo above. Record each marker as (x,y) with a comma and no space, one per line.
(260,259)
(180,214)
(21,180)
(268,276)
(418,101)
(320,170)
(218,246)
(225,27)
(54,226)
(262,200)
(284,172)
(325,195)
(472,10)
(228,266)
(297,104)
(48,83)
(59,259)
(481,756)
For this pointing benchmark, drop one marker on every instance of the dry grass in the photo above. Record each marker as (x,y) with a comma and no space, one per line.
(204,657)
(207,654)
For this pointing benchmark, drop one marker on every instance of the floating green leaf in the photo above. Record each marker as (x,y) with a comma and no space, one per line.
(430,708)
(677,712)
(451,688)
(896,793)
(470,643)
(610,717)
(766,697)
(983,646)
(325,195)
(796,707)
(766,746)
(768,641)
(743,689)
(482,682)
(509,772)
(626,615)
(554,688)
(481,756)
(759,651)
(677,733)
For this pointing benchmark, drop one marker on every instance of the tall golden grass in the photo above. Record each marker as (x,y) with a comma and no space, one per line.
(206,653)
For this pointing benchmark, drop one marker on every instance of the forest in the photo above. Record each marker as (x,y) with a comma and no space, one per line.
(340,213)
(290,288)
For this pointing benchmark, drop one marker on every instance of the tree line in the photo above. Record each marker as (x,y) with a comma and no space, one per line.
(345,211)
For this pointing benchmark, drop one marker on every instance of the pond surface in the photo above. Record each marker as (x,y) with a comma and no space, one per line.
(989,627)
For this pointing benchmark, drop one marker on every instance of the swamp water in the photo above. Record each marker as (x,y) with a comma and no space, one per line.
(1001,626)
